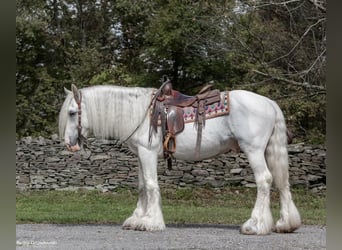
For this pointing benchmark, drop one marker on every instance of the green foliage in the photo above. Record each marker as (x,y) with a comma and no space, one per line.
(271,49)
(305,116)
(36,83)
(179,38)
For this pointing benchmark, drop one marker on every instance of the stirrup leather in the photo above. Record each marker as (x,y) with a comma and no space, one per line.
(169,143)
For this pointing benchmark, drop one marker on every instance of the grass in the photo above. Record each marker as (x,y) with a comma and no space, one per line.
(180,206)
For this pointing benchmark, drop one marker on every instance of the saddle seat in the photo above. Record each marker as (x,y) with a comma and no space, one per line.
(176,98)
(168,107)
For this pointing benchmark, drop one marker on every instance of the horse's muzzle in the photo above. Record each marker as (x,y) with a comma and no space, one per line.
(73,148)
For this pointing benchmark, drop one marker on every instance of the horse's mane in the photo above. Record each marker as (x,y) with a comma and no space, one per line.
(112,111)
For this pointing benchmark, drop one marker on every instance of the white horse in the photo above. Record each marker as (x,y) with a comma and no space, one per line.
(255,125)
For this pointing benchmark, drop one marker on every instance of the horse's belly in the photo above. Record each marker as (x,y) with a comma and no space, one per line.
(216,139)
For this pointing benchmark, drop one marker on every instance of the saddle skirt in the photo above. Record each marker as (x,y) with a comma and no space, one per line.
(211,110)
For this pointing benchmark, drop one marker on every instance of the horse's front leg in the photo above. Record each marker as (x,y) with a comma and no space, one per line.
(148,215)
(134,221)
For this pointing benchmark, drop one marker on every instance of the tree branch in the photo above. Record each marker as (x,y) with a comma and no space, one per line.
(313,64)
(318,5)
(301,84)
(275,3)
(299,41)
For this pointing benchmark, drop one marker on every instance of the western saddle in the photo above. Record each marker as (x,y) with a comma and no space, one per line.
(167,111)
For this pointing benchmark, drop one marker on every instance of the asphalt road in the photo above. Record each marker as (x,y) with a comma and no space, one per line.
(47,236)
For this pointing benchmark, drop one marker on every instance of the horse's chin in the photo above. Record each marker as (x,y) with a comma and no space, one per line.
(73,148)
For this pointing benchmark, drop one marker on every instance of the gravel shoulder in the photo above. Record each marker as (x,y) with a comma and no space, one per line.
(51,236)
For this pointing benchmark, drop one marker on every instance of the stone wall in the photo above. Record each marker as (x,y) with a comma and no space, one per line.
(46,164)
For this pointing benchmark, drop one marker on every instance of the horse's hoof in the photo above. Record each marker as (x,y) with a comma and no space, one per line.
(126,228)
(252,227)
(143,224)
(283,227)
(148,224)
(247,230)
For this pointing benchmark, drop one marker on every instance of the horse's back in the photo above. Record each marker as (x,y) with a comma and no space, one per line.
(249,98)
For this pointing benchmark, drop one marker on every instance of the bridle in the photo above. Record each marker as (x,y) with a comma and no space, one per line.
(79,118)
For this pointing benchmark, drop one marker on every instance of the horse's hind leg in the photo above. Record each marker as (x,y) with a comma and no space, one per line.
(277,159)
(261,221)
(289,216)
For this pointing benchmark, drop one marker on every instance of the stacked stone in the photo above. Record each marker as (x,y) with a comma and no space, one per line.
(45,164)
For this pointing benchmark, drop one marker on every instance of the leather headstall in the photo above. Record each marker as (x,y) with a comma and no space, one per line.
(79,114)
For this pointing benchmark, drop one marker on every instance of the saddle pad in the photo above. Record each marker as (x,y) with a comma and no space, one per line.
(211,111)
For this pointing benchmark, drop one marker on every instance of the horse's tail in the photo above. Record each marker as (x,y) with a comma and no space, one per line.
(277,161)
(276,150)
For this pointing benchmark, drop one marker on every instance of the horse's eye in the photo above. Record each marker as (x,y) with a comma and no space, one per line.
(72,113)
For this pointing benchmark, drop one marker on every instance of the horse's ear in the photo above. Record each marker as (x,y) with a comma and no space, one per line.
(76,93)
(66,91)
